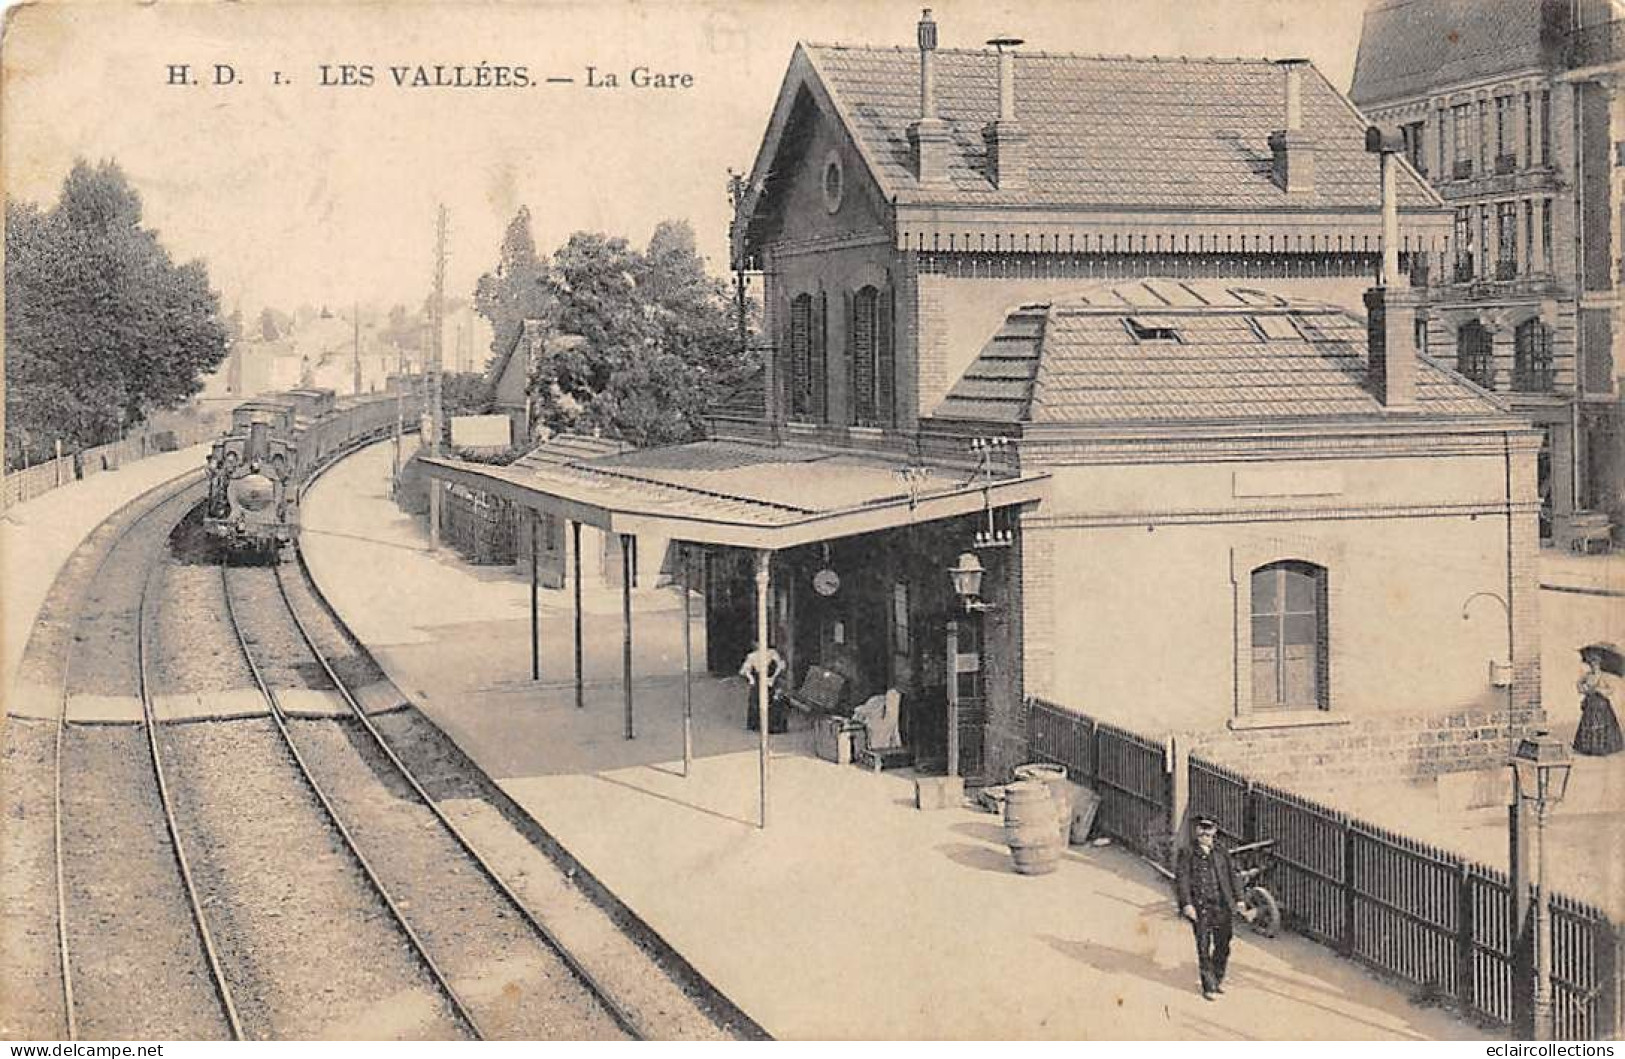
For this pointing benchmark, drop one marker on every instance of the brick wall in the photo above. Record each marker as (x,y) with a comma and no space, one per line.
(1365,749)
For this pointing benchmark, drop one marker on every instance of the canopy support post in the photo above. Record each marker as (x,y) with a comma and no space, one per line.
(535,605)
(762,557)
(626,627)
(575,551)
(688,665)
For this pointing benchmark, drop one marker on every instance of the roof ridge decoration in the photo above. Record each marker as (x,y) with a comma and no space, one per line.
(1041,54)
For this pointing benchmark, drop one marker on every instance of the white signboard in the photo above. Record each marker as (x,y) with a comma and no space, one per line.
(481,432)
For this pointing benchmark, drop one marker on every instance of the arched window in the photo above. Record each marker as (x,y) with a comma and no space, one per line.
(1473,354)
(1289,637)
(873,362)
(1532,370)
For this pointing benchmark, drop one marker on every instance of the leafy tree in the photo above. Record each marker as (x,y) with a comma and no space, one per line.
(657,339)
(102,326)
(518,290)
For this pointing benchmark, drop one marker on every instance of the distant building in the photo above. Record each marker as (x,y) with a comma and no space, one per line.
(1512,109)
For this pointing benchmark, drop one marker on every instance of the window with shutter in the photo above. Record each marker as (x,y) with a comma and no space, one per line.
(819,369)
(864,308)
(800,355)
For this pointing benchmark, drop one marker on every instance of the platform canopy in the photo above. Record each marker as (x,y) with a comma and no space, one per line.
(732,493)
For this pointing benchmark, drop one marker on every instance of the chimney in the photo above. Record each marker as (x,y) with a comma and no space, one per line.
(1292,148)
(1005,138)
(1390,308)
(929,137)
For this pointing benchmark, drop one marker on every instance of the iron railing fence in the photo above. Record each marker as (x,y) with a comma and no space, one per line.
(1408,909)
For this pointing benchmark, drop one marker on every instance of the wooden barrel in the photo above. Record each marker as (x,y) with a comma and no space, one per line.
(1053,777)
(1029,828)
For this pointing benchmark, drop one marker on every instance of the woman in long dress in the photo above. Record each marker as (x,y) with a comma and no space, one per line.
(1599,732)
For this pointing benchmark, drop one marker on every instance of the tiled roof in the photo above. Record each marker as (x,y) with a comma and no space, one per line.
(1078,360)
(748,495)
(1108,131)
(567,448)
(1409,47)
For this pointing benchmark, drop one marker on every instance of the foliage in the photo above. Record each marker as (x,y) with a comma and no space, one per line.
(658,339)
(464,393)
(518,290)
(102,327)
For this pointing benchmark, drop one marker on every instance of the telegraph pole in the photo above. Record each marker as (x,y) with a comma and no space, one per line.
(436,339)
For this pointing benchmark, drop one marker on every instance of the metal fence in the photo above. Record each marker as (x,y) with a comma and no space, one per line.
(1443,924)
(481,527)
(1128,771)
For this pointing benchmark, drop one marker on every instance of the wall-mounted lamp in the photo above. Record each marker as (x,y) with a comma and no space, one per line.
(967,578)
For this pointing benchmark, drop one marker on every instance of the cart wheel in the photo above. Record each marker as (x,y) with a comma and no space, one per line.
(1266,914)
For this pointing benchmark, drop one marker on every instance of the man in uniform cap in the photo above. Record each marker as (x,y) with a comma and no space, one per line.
(1206,885)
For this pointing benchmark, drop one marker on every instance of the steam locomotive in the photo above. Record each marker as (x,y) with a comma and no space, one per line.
(258,469)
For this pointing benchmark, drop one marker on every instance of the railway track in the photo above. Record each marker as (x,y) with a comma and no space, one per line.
(501,968)
(207,848)
(116,815)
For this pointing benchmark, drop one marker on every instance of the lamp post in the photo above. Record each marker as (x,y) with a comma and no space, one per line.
(1540,769)
(966,574)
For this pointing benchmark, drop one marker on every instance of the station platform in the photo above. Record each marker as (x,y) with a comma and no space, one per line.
(38,536)
(851,915)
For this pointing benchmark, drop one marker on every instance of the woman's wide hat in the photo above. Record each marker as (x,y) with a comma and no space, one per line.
(1607,656)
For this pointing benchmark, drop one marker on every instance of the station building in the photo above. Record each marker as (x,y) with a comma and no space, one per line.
(1107,327)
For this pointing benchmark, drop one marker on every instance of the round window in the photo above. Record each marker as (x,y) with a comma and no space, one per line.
(834,180)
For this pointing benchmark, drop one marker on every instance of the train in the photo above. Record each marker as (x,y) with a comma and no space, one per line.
(258,468)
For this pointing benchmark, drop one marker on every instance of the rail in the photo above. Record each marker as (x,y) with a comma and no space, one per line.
(588,980)
(373,880)
(171,492)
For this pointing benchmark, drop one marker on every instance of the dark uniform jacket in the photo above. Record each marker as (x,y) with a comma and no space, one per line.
(1185,865)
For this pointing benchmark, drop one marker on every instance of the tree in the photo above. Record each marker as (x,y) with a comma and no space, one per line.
(657,338)
(102,326)
(518,290)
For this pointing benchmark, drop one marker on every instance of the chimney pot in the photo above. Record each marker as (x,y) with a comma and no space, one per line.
(1005,138)
(928,136)
(1292,149)
(1294,91)
(1390,308)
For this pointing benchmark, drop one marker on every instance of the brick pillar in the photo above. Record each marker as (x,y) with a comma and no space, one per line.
(770,331)
(1523,577)
(1038,608)
(931,340)
(906,327)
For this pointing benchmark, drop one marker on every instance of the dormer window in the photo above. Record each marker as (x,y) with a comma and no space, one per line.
(1280,328)
(1150,329)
